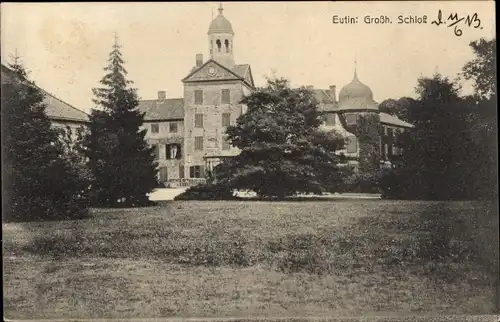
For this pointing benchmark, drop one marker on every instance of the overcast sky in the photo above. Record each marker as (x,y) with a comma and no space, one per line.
(65,46)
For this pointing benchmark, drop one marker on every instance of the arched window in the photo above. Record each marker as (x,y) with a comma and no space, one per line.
(218,45)
(226,43)
(211,47)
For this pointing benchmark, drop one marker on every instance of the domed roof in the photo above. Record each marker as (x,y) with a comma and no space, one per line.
(356,95)
(220,24)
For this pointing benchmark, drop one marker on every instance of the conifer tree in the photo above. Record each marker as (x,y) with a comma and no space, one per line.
(121,161)
(40,183)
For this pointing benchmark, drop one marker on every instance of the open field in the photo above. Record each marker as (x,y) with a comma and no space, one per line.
(250,258)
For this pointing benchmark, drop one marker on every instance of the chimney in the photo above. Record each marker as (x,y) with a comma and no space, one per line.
(310,87)
(333,93)
(199,60)
(162,95)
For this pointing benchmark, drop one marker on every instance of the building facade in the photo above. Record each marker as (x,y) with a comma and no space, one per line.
(212,92)
(342,114)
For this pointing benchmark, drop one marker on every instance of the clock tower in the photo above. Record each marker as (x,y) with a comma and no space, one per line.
(220,40)
(212,94)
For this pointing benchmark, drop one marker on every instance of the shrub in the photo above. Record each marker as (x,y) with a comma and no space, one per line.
(362,183)
(207,192)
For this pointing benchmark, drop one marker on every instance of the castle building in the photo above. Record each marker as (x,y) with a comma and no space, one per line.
(189,132)
(354,100)
(212,92)
(63,116)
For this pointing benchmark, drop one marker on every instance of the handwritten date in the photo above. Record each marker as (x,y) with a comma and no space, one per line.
(453,20)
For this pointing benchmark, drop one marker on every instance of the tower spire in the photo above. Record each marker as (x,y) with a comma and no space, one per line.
(355,66)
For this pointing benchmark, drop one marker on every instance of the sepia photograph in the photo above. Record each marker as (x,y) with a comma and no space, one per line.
(241,161)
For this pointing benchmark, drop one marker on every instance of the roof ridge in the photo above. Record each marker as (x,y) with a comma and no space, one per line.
(156,100)
(219,64)
(60,100)
(47,93)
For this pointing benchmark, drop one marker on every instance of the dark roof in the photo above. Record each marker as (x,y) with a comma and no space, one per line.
(393,120)
(56,109)
(172,108)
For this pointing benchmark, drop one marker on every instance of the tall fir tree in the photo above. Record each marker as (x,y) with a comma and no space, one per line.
(122,163)
(40,182)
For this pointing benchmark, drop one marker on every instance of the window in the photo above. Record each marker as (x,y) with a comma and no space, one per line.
(198,97)
(172,127)
(352,144)
(219,44)
(225,144)
(330,119)
(163,174)
(226,119)
(172,151)
(155,128)
(226,43)
(390,132)
(226,97)
(181,171)
(196,171)
(386,149)
(79,131)
(198,143)
(351,118)
(211,47)
(198,120)
(385,130)
(157,151)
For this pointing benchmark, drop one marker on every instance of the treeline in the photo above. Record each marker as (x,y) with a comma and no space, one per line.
(452,153)
(46,177)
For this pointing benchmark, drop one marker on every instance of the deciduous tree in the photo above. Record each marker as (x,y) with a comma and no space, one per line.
(283,150)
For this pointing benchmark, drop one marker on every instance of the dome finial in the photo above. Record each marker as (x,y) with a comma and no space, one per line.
(220,9)
(355,67)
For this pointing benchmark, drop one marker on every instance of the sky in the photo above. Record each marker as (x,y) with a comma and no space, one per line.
(65,45)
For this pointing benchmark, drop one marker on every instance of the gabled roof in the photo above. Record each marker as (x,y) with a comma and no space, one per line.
(239,71)
(56,109)
(326,104)
(168,109)
(393,120)
(60,110)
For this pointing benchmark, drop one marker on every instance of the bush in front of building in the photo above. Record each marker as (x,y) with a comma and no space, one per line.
(209,191)
(41,180)
(362,183)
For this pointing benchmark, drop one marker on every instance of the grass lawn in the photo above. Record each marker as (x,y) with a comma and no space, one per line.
(249,258)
